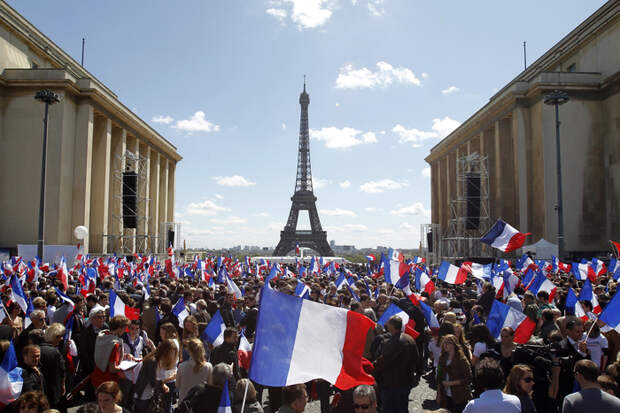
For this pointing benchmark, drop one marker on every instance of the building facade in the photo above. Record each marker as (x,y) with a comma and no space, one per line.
(515,133)
(92,140)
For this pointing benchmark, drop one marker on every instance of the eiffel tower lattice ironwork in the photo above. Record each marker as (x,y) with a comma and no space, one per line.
(303,198)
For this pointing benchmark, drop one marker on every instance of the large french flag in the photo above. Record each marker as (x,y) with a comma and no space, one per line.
(503,315)
(300,340)
(504,237)
(118,307)
(451,273)
(573,306)
(11,381)
(395,266)
(611,313)
(408,324)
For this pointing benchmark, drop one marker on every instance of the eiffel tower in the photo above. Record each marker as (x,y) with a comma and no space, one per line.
(303,198)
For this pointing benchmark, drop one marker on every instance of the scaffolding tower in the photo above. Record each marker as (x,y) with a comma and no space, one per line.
(469,212)
(124,240)
(430,243)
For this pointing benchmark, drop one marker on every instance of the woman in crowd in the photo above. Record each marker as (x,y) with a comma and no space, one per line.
(251,404)
(167,331)
(155,376)
(109,352)
(453,376)
(505,349)
(136,342)
(190,330)
(482,341)
(520,383)
(108,395)
(194,371)
(434,345)
(32,402)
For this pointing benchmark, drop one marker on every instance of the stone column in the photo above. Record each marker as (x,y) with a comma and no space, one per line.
(171,172)
(163,197)
(145,194)
(154,194)
(117,162)
(82,168)
(99,197)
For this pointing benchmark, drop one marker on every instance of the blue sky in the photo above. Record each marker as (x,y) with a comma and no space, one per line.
(387,80)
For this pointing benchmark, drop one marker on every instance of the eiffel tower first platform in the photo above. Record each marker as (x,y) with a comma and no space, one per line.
(303,198)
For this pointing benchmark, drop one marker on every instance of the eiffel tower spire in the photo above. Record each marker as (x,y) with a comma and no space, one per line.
(303,198)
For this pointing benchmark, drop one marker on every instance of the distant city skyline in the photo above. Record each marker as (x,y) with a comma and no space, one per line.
(387,80)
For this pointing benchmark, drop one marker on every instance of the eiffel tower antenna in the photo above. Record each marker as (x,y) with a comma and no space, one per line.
(303,197)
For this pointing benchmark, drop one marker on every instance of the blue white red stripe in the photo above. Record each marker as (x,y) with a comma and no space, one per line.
(408,326)
(118,307)
(504,237)
(451,273)
(214,331)
(503,315)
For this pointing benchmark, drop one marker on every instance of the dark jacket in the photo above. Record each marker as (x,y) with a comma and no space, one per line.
(53,369)
(400,361)
(226,353)
(86,350)
(459,369)
(32,380)
(486,301)
(147,375)
(567,379)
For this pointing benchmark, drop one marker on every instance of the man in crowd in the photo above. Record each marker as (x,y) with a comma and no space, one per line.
(294,399)
(590,398)
(490,378)
(364,399)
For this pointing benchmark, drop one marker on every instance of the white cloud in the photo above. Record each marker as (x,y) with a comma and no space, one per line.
(451,89)
(440,129)
(162,119)
(229,220)
(283,126)
(351,78)
(207,208)
(235,180)
(279,14)
(407,226)
(262,214)
(319,183)
(197,123)
(342,138)
(337,104)
(348,228)
(375,187)
(375,8)
(218,196)
(338,212)
(424,75)
(370,209)
(345,184)
(414,209)
(426,172)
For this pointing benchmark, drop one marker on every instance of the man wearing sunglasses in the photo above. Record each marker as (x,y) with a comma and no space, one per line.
(590,398)
(364,399)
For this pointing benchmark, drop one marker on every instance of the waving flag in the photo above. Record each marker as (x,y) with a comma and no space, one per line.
(423,281)
(451,273)
(180,311)
(614,268)
(542,283)
(11,381)
(482,272)
(302,290)
(62,273)
(64,297)
(214,331)
(504,237)
(232,288)
(573,306)
(118,307)
(587,294)
(611,313)
(597,268)
(503,315)
(244,353)
(224,406)
(615,246)
(395,266)
(429,315)
(408,326)
(299,340)
(580,270)
(17,293)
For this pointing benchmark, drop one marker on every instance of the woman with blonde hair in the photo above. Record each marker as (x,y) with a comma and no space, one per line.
(159,370)
(190,330)
(196,370)
(453,375)
(251,403)
(520,383)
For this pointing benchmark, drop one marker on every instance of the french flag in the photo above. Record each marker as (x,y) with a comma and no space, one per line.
(503,315)
(451,273)
(302,290)
(244,352)
(300,340)
(11,381)
(482,272)
(17,293)
(408,324)
(597,268)
(62,273)
(64,297)
(611,313)
(573,306)
(587,294)
(504,237)
(214,331)
(580,270)
(395,266)
(542,283)
(297,248)
(180,310)
(423,282)
(232,288)
(224,406)
(429,315)
(118,307)
(614,268)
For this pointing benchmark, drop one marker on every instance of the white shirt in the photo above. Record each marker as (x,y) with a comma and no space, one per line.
(435,349)
(479,348)
(493,401)
(596,346)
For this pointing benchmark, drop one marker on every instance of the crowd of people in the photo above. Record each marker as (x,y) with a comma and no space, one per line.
(75,348)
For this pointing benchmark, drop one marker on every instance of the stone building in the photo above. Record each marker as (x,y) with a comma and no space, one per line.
(92,139)
(516,133)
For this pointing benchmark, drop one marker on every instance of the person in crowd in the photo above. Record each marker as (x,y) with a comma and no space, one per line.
(109,352)
(167,331)
(572,348)
(155,374)
(590,398)
(520,383)
(86,345)
(108,395)
(486,298)
(490,377)
(364,399)
(89,408)
(37,318)
(227,351)
(135,341)
(453,376)
(481,340)
(608,384)
(53,367)
(294,399)
(434,345)
(168,316)
(31,371)
(195,370)
(190,330)
(596,343)
(548,324)
(251,403)
(31,402)
(505,349)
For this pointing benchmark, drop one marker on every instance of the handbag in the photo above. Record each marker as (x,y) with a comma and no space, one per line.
(157,401)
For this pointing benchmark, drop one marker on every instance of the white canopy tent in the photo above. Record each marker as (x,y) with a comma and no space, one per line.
(543,249)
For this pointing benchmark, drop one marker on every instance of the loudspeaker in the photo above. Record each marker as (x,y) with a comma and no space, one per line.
(472,196)
(170,238)
(429,241)
(130,194)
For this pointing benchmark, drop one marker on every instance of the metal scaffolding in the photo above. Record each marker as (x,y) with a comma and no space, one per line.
(462,237)
(430,243)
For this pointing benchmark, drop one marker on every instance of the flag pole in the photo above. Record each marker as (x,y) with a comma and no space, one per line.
(245,394)
(590,330)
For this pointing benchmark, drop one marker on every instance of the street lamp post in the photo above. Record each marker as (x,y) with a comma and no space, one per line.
(49,98)
(557,98)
